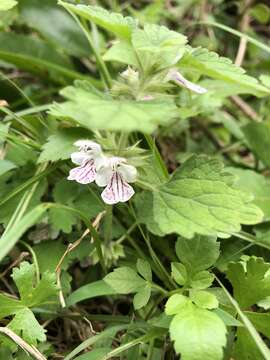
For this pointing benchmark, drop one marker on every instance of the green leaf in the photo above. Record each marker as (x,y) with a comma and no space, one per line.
(108,333)
(196,254)
(202,61)
(62,220)
(179,273)
(6,353)
(142,297)
(161,320)
(20,154)
(175,304)
(151,13)
(265,303)
(144,269)
(250,281)
(57,26)
(158,46)
(144,206)
(89,291)
(45,289)
(245,348)
(23,278)
(9,238)
(256,184)
(121,51)
(32,294)
(9,306)
(88,203)
(265,79)
(258,138)
(124,280)
(199,253)
(84,106)
(200,198)
(13,192)
(95,354)
(198,334)
(113,22)
(25,324)
(72,194)
(251,330)
(5,166)
(34,55)
(261,12)
(7,4)
(204,299)
(261,321)
(56,250)
(150,336)
(201,280)
(227,318)
(60,145)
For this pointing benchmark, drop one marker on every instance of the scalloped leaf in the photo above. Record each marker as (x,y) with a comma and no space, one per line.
(250,281)
(114,22)
(200,198)
(158,46)
(209,63)
(26,325)
(96,111)
(198,334)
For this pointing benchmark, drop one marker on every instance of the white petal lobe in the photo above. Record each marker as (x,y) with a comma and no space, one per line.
(128,172)
(88,145)
(79,158)
(104,176)
(84,174)
(180,80)
(117,190)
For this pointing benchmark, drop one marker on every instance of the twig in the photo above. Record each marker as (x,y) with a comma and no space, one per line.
(243,28)
(22,256)
(20,342)
(245,108)
(68,250)
(239,60)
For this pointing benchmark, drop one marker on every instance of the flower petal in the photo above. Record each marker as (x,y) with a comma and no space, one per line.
(79,158)
(100,161)
(128,172)
(117,190)
(84,174)
(104,175)
(88,145)
(180,80)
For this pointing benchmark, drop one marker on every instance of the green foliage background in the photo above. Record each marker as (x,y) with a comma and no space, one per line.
(183,268)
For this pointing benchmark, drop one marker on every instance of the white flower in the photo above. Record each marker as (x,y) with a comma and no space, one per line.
(174,75)
(90,159)
(130,75)
(116,175)
(112,172)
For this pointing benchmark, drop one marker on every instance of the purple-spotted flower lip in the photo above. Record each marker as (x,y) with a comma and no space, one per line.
(85,173)
(116,176)
(89,158)
(178,78)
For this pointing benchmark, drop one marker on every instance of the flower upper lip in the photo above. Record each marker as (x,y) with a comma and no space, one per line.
(176,76)
(88,146)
